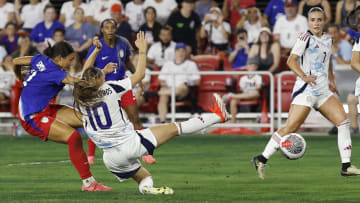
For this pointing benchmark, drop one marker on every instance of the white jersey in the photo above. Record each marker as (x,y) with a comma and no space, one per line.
(186,67)
(290,30)
(356,47)
(248,84)
(161,55)
(315,55)
(107,124)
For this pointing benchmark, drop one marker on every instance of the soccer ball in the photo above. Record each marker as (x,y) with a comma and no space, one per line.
(292,146)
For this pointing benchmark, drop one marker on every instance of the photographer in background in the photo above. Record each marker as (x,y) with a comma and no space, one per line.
(239,54)
(216,30)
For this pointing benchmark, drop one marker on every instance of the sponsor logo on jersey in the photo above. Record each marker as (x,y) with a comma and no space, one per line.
(104,57)
(40,65)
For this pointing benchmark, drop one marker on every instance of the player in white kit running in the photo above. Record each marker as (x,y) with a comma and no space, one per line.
(310,60)
(109,128)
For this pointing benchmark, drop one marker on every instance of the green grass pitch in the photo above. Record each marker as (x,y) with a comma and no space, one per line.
(200,168)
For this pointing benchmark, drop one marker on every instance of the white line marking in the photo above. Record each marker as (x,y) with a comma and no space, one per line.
(40,163)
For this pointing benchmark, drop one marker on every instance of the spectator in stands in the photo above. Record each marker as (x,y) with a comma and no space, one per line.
(67,12)
(232,10)
(3,52)
(341,49)
(343,8)
(80,33)
(186,25)
(134,11)
(123,28)
(6,82)
(163,9)
(216,30)
(238,57)
(44,30)
(25,48)
(58,35)
(202,7)
(250,86)
(251,22)
(10,38)
(151,27)
(273,10)
(267,51)
(306,5)
(182,82)
(29,15)
(7,13)
(99,10)
(287,28)
(163,50)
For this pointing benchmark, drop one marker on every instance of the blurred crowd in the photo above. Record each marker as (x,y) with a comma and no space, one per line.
(238,32)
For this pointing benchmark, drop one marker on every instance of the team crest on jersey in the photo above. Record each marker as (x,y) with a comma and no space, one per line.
(41,66)
(121,53)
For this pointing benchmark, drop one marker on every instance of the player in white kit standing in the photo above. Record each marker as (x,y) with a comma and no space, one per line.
(109,128)
(310,60)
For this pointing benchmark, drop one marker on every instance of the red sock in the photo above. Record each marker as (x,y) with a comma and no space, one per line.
(78,156)
(91,147)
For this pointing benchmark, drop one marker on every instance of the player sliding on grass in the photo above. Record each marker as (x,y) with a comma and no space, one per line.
(310,59)
(48,75)
(106,124)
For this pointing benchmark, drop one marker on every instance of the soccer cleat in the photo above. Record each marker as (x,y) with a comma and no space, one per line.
(219,108)
(148,159)
(91,159)
(95,186)
(260,167)
(351,171)
(158,191)
(227,97)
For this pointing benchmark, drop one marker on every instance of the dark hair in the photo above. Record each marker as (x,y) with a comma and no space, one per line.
(86,91)
(270,42)
(9,23)
(317,9)
(62,49)
(348,19)
(241,30)
(330,25)
(48,6)
(146,10)
(166,27)
(59,30)
(110,20)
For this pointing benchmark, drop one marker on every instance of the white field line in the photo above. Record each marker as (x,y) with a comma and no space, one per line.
(40,163)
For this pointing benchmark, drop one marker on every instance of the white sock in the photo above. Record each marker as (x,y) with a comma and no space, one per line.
(146,182)
(195,124)
(344,141)
(272,146)
(87,182)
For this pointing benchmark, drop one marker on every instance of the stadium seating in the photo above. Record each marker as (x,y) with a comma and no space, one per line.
(206,62)
(252,102)
(287,84)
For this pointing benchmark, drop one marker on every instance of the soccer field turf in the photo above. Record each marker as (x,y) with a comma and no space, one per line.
(200,168)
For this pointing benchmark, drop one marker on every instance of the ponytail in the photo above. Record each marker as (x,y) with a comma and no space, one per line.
(62,49)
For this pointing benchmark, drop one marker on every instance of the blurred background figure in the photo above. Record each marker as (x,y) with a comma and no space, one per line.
(44,30)
(163,9)
(67,11)
(123,28)
(7,13)
(233,9)
(151,27)
(202,7)
(343,8)
(163,50)
(306,5)
(6,82)
(99,10)
(10,39)
(216,30)
(341,49)
(80,33)
(134,11)
(25,48)
(251,22)
(267,51)
(186,25)
(3,53)
(273,10)
(288,27)
(29,15)
(239,55)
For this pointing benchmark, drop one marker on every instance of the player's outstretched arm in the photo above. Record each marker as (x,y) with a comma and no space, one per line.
(91,60)
(18,62)
(141,44)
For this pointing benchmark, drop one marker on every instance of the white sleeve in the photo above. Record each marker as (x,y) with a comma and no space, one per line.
(227,27)
(356,46)
(147,77)
(277,27)
(300,45)
(164,69)
(242,83)
(193,68)
(258,80)
(63,9)
(172,4)
(120,86)
(151,53)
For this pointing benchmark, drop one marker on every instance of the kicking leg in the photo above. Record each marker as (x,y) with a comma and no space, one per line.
(146,184)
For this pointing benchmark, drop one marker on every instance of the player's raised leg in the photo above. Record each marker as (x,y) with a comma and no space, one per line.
(333,110)
(146,184)
(297,116)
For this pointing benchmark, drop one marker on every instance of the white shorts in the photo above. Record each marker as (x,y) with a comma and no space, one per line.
(311,100)
(123,160)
